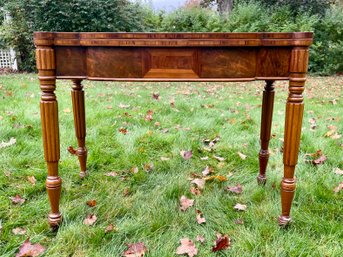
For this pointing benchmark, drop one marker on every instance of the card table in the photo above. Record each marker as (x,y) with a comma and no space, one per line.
(178,57)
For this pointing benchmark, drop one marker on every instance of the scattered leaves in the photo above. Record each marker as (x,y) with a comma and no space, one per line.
(186,154)
(111,174)
(237,189)
(9,143)
(156,95)
(148,167)
(172,102)
(200,217)
(123,106)
(220,178)
(148,115)
(313,123)
(19,231)
(338,171)
(240,207)
(187,247)
(135,250)
(218,158)
(134,170)
(123,130)
(239,221)
(195,191)
(110,228)
(17,199)
(207,171)
(32,179)
(200,239)
(317,158)
(185,203)
(338,188)
(90,220)
(28,249)
(221,243)
(91,203)
(164,158)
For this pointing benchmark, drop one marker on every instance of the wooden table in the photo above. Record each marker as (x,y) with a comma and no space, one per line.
(172,57)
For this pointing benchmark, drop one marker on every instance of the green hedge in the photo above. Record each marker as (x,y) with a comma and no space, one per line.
(122,15)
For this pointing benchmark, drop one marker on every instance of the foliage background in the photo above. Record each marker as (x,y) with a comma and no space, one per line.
(324,17)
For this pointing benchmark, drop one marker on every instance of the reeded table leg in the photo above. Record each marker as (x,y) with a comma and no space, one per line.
(266,124)
(50,130)
(293,122)
(78,99)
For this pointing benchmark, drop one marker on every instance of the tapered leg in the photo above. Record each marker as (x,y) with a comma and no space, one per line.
(266,124)
(293,123)
(78,99)
(50,130)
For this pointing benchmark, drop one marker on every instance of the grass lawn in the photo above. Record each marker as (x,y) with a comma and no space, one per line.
(144,206)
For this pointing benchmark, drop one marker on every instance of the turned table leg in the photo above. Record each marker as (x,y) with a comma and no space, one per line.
(50,131)
(266,124)
(293,123)
(78,99)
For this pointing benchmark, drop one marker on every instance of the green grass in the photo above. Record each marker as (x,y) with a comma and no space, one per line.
(150,212)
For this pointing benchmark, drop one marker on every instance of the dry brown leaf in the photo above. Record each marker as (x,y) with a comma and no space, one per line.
(123,130)
(195,191)
(19,231)
(185,203)
(221,243)
(243,156)
(157,124)
(186,154)
(90,220)
(172,102)
(187,247)
(148,115)
(313,123)
(134,170)
(199,182)
(91,203)
(240,207)
(200,217)
(218,158)
(135,250)
(109,107)
(28,249)
(238,189)
(338,188)
(32,179)
(156,95)
(110,228)
(207,171)
(66,110)
(17,199)
(9,143)
(111,174)
(317,158)
(239,221)
(200,239)
(216,177)
(338,171)
(320,160)
(148,167)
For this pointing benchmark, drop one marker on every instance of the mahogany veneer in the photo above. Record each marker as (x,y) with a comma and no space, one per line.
(172,57)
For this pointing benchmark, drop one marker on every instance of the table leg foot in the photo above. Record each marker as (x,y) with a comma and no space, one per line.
(284,221)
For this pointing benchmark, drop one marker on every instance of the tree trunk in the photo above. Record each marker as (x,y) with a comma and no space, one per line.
(224,6)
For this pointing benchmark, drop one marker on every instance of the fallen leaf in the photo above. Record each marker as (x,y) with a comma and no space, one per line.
(240,207)
(28,249)
(200,217)
(66,110)
(17,199)
(313,123)
(338,188)
(239,221)
(195,191)
(218,158)
(123,130)
(91,203)
(126,191)
(111,174)
(338,171)
(199,182)
(156,95)
(110,228)
(109,107)
(185,203)
(32,179)
(317,158)
(148,167)
(135,250)
(243,156)
(333,101)
(164,158)
(207,171)
(320,160)
(148,115)
(186,154)
(205,158)
(157,124)
(172,102)
(134,170)
(9,143)
(217,177)
(200,239)
(19,231)
(90,220)
(221,243)
(187,247)
(123,106)
(238,189)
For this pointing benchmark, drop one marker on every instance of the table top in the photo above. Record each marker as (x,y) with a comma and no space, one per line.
(189,39)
